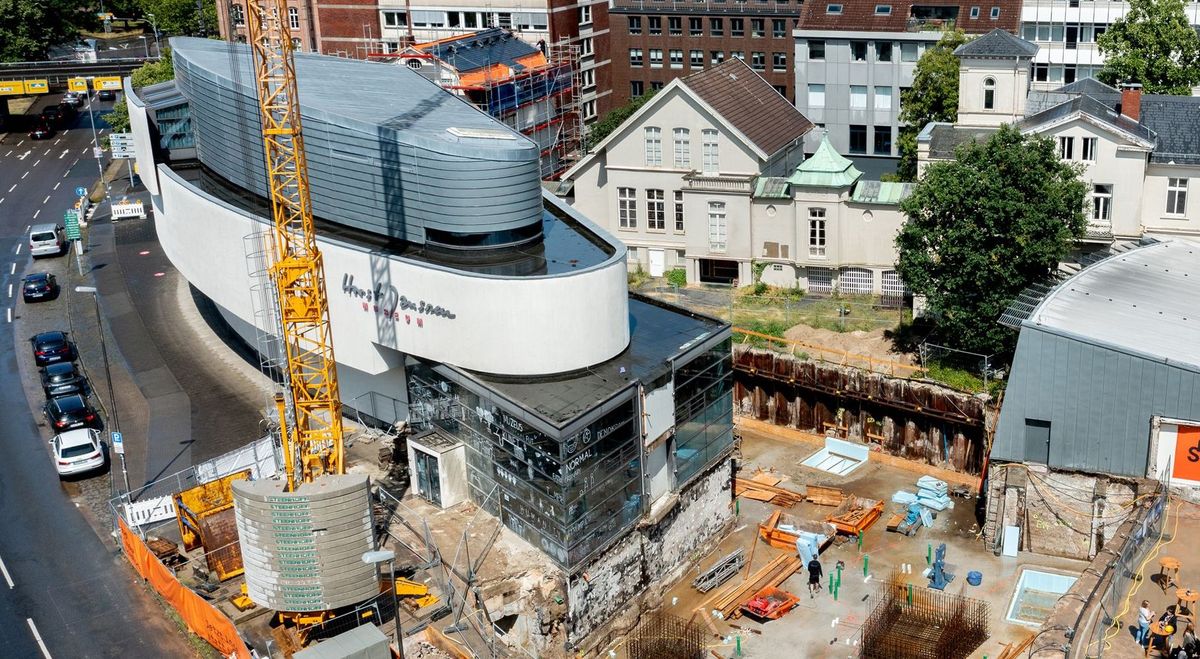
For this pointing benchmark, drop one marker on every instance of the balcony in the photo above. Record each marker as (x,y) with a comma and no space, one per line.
(719,182)
(929,24)
(1098,231)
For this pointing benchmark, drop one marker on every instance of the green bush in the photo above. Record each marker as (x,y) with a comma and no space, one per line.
(677,277)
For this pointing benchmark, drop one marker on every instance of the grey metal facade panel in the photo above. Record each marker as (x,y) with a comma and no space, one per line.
(1099,402)
(380,154)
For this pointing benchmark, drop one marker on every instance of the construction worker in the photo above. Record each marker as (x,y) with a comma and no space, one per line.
(814,577)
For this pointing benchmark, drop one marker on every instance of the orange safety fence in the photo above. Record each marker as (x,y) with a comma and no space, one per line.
(201,617)
(843,357)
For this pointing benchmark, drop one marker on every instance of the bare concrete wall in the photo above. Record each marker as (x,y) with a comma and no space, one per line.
(610,594)
(1060,513)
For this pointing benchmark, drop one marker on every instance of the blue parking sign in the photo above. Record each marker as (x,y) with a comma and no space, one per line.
(118,443)
(80,191)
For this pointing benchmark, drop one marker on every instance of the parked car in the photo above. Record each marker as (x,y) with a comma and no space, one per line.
(106,95)
(47,240)
(43,131)
(63,379)
(77,451)
(39,286)
(52,347)
(70,412)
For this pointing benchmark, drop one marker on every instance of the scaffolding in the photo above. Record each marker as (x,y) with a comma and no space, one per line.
(912,622)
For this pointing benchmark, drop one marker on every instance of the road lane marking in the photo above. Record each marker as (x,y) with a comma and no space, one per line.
(65,173)
(56,185)
(83,150)
(38,638)
(57,141)
(10,314)
(20,143)
(46,199)
(24,155)
(8,154)
(18,248)
(36,213)
(74,162)
(14,187)
(38,162)
(24,175)
(7,578)
(13,269)
(46,153)
(63,154)
(2,200)
(10,295)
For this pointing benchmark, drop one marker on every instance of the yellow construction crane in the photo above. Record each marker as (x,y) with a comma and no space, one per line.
(312,443)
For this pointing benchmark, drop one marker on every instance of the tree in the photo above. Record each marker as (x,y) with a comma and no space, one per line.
(28,28)
(179,16)
(983,227)
(150,73)
(932,97)
(1153,44)
(613,120)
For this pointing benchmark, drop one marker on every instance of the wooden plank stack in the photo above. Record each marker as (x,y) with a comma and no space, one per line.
(728,600)
(764,487)
(825,496)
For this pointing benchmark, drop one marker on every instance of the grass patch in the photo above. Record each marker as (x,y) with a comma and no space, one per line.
(838,314)
(961,379)
(638,277)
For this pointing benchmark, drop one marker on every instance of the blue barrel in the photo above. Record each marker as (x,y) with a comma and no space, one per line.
(974,578)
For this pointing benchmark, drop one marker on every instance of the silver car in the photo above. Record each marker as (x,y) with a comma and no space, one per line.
(47,240)
(77,451)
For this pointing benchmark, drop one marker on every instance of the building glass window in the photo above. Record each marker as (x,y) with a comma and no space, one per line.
(883,98)
(710,154)
(696,26)
(653,136)
(1177,196)
(585,15)
(779,61)
(737,54)
(995,13)
(883,51)
(635,57)
(989,93)
(816,233)
(293,18)
(238,13)
(833,9)
(1066,148)
(816,49)
(697,59)
(1089,148)
(627,207)
(883,140)
(758,27)
(858,51)
(654,25)
(1102,202)
(703,410)
(683,148)
(974,13)
(858,139)
(675,26)
(656,85)
(908,52)
(656,58)
(858,97)
(716,226)
(679,211)
(586,48)
(816,96)
(635,24)
(883,10)
(395,19)
(778,28)
(636,88)
(656,218)
(716,27)
(676,58)
(588,78)
(589,109)
(758,61)
(737,27)
(717,56)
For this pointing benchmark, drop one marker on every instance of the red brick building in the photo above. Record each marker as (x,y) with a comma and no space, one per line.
(348,28)
(653,42)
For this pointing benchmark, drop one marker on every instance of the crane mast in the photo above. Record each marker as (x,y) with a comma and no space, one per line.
(312,442)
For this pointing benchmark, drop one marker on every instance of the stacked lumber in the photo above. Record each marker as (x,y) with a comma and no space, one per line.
(728,600)
(856,514)
(760,488)
(825,496)
(1011,652)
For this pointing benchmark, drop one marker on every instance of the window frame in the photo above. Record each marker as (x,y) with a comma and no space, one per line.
(656,210)
(652,140)
(678,211)
(718,227)
(817,233)
(1177,189)
(627,208)
(989,93)
(681,147)
(1102,197)
(710,151)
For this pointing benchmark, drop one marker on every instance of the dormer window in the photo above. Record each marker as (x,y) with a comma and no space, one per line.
(995,13)
(836,10)
(974,13)
(883,10)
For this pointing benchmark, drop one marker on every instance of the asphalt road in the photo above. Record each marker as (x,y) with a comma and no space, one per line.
(63,592)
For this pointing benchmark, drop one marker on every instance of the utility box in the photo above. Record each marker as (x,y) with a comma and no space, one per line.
(437,466)
(364,642)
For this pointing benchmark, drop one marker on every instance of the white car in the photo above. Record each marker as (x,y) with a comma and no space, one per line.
(77,451)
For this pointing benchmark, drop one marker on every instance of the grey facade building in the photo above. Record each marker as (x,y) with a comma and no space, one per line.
(1102,360)
(855,58)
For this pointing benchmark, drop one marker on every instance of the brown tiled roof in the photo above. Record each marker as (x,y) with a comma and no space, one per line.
(860,16)
(750,104)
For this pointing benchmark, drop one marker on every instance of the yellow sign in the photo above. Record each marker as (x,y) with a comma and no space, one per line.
(37,86)
(113,82)
(77,84)
(11,88)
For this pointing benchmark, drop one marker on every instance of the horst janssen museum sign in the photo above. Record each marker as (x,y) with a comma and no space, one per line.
(386,301)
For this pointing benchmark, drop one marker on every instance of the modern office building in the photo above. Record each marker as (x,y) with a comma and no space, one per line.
(346,28)
(496,315)
(653,42)
(1066,33)
(854,58)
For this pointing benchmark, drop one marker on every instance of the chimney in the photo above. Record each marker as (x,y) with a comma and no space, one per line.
(1131,101)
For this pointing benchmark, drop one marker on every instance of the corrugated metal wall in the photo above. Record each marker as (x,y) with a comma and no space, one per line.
(1098,401)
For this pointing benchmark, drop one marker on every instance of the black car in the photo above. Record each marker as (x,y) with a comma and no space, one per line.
(39,286)
(106,95)
(43,131)
(74,99)
(70,412)
(52,347)
(63,379)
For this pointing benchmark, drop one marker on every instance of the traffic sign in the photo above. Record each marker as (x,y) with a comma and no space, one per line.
(121,145)
(77,84)
(98,152)
(80,191)
(118,443)
(71,222)
(107,82)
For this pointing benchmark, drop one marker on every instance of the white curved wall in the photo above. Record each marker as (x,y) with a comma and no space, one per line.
(510,326)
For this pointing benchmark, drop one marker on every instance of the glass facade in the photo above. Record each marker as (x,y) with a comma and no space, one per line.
(565,495)
(703,410)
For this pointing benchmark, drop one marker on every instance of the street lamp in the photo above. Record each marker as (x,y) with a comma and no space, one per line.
(112,395)
(146,45)
(157,48)
(388,556)
(96,150)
